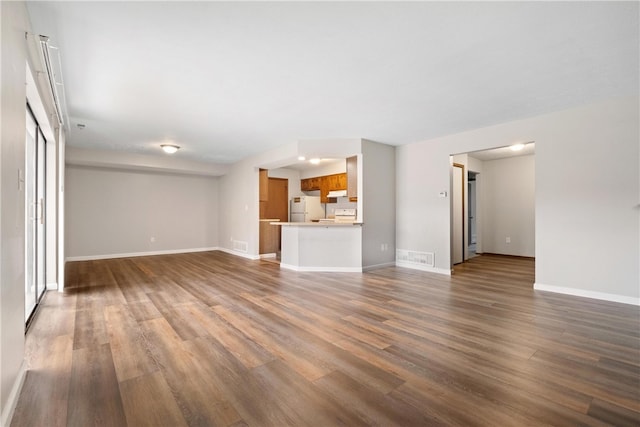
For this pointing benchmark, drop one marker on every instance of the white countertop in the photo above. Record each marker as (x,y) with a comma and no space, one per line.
(318,224)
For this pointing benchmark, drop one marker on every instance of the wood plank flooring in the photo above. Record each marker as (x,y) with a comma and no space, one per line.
(209,339)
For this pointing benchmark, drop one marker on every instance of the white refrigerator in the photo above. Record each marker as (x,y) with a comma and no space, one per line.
(306,209)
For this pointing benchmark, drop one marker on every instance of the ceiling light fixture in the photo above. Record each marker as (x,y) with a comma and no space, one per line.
(301,158)
(517,147)
(170,148)
(314,161)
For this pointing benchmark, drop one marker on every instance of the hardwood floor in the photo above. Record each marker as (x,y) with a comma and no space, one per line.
(209,339)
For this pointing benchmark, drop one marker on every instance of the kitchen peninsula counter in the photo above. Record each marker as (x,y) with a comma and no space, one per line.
(318,224)
(321,246)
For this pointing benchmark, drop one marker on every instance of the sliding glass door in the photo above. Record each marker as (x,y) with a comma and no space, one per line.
(35,283)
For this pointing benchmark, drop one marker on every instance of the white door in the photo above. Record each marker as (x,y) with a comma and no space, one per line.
(34,211)
(457,214)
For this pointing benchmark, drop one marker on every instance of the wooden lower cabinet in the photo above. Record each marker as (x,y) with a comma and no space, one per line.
(269,237)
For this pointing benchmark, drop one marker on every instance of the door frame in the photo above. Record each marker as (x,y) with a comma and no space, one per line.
(462,189)
(38,264)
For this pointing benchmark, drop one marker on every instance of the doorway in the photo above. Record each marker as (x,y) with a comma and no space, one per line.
(274,206)
(35,198)
(498,203)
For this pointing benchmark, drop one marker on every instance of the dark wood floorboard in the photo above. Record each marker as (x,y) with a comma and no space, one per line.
(209,339)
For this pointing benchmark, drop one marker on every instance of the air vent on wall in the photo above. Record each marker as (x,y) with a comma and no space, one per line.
(240,246)
(415,257)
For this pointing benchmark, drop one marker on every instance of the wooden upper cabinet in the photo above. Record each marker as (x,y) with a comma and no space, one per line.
(264,185)
(305,184)
(342,181)
(336,182)
(332,183)
(352,178)
(310,184)
(325,184)
(324,191)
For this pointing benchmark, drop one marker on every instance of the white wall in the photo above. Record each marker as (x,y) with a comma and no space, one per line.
(586,204)
(378,204)
(240,211)
(587,201)
(12,240)
(116,212)
(508,195)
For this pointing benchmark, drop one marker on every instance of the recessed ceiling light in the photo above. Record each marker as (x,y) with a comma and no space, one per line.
(314,161)
(301,158)
(170,148)
(517,147)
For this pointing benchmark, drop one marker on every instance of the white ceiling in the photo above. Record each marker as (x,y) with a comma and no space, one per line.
(229,80)
(503,152)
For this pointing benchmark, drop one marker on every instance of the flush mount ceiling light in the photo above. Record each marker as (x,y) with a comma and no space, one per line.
(170,148)
(301,158)
(517,147)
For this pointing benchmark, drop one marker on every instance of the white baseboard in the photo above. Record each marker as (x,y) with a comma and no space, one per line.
(12,400)
(271,255)
(446,272)
(52,286)
(322,269)
(240,254)
(377,266)
(587,294)
(137,254)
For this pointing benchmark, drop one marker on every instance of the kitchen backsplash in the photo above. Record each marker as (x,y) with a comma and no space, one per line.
(342,203)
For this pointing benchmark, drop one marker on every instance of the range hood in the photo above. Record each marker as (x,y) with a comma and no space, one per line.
(337,193)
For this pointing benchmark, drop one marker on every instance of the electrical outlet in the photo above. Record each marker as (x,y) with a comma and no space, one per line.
(508,239)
